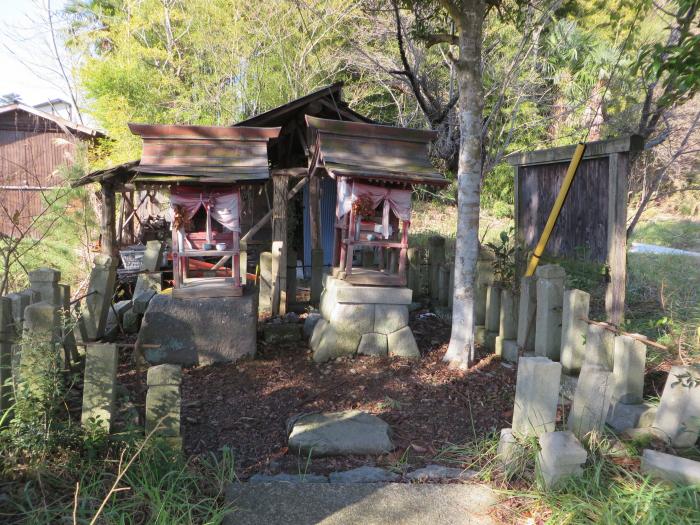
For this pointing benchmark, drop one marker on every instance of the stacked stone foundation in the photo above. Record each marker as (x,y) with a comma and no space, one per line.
(370,320)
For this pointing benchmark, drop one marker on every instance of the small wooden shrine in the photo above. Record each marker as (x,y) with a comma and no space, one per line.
(376,169)
(203,168)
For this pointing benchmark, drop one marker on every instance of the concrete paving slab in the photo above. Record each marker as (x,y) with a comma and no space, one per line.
(360,503)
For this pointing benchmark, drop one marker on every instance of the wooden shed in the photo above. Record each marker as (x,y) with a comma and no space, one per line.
(33,147)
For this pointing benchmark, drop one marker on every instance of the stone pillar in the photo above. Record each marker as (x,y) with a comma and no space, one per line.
(484,277)
(527,307)
(536,396)
(101,290)
(291,276)
(7,337)
(99,387)
(561,456)
(68,334)
(678,415)
(493,314)
(591,403)
(443,284)
(436,256)
(153,256)
(574,330)
(316,275)
(600,346)
(44,281)
(279,279)
(414,280)
(508,320)
(265,289)
(163,402)
(628,371)
(451,286)
(38,343)
(243,262)
(550,297)
(148,281)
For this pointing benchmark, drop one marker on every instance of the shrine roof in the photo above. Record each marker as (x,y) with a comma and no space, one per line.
(372,151)
(202,154)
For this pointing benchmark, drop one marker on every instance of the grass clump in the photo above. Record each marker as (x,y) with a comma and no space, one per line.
(611,490)
(55,470)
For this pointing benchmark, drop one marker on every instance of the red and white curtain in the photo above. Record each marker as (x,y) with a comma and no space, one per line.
(223,205)
(394,199)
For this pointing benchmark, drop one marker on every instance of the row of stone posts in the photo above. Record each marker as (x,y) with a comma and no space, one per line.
(560,352)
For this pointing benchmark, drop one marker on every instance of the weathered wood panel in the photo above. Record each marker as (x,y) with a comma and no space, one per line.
(582,227)
(30,164)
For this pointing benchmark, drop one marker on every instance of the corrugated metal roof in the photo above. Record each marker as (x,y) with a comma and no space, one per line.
(372,151)
(203,154)
(65,125)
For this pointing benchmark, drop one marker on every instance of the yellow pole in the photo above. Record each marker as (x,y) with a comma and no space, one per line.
(556,209)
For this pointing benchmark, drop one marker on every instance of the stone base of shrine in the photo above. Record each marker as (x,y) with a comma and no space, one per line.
(199,331)
(368,320)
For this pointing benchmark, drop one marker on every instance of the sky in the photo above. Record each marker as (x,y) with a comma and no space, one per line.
(21,31)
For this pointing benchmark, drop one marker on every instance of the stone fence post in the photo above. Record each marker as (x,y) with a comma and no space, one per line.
(436,257)
(550,298)
(44,281)
(527,308)
(163,402)
(7,337)
(99,385)
(101,290)
(574,329)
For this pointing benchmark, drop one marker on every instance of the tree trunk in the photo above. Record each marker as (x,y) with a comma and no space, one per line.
(471,101)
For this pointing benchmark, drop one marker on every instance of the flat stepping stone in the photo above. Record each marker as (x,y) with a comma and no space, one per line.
(439,472)
(339,433)
(287,478)
(364,475)
(361,503)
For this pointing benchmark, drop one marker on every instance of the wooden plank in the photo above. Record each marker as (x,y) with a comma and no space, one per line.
(108,220)
(617,238)
(600,148)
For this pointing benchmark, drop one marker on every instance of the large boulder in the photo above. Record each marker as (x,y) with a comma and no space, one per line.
(199,331)
(339,433)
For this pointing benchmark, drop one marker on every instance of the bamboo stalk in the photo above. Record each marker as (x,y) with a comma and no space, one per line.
(616,330)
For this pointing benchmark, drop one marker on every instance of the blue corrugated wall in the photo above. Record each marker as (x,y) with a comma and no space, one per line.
(328,198)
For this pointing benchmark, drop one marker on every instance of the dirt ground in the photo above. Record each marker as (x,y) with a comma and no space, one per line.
(245,405)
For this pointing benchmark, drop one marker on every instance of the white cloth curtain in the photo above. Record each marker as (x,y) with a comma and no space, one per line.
(223,205)
(394,199)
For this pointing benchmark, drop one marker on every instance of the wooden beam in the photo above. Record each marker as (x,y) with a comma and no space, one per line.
(108,220)
(618,166)
(600,148)
(280,185)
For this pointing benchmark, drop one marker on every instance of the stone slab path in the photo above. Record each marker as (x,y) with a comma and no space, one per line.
(360,503)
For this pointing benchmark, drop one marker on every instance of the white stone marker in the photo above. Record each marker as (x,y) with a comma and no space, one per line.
(44,281)
(550,297)
(591,401)
(508,320)
(678,415)
(671,468)
(628,371)
(600,347)
(527,308)
(99,389)
(484,277)
(101,289)
(536,396)
(574,330)
(561,456)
